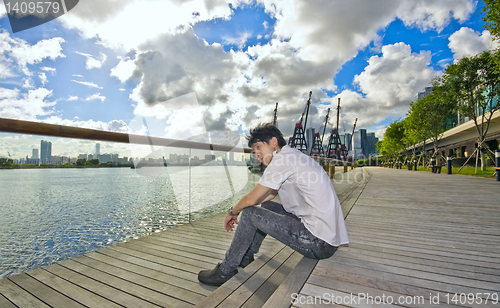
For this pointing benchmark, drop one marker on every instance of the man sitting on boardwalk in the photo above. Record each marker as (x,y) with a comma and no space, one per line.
(310,220)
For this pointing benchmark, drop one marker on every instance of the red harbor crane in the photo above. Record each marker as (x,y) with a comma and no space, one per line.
(298,140)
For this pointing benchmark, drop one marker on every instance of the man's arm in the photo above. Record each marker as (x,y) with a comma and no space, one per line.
(257,195)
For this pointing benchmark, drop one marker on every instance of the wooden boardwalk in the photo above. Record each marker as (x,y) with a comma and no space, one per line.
(411,234)
(415,237)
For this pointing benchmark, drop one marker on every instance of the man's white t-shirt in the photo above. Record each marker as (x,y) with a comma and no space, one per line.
(307,192)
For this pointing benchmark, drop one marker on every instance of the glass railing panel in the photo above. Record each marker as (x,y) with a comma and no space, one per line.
(56,211)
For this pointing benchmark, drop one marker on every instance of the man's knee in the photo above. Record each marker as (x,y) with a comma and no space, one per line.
(249,210)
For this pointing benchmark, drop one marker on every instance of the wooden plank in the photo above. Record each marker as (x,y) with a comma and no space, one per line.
(160,257)
(43,292)
(445,268)
(292,284)
(97,287)
(79,264)
(160,272)
(450,256)
(429,236)
(431,227)
(226,289)
(161,251)
(319,292)
(260,297)
(119,269)
(335,286)
(246,289)
(19,296)
(195,244)
(485,285)
(393,283)
(472,266)
(72,291)
(475,251)
(160,245)
(5,303)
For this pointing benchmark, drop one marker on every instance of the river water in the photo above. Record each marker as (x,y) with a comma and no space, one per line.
(48,215)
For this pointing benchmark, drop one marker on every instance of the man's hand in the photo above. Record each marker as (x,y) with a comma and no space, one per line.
(230,221)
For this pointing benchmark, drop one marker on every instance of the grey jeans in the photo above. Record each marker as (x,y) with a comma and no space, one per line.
(271,218)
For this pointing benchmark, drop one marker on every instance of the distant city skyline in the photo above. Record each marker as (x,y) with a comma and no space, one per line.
(46,156)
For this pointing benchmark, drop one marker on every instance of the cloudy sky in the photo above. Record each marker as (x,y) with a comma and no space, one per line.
(202,65)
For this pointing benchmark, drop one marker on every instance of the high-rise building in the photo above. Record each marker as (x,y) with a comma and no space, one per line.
(46,151)
(359,143)
(371,142)
(97,149)
(35,154)
(427,91)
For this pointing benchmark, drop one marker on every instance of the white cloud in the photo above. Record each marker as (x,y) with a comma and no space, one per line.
(43,78)
(3,11)
(72,98)
(124,69)
(239,41)
(96,96)
(467,42)
(167,71)
(388,84)
(88,84)
(431,14)
(25,106)
(396,76)
(118,126)
(51,70)
(92,61)
(110,20)
(17,54)
(31,54)
(28,83)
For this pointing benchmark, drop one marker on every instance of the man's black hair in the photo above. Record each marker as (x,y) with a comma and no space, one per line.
(264,132)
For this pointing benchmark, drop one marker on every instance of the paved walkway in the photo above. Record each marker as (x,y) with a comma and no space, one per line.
(417,239)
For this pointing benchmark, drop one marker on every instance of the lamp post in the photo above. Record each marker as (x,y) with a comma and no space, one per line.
(497,156)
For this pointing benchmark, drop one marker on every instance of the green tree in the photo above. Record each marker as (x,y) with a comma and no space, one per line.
(491,17)
(81,162)
(93,162)
(475,86)
(416,131)
(5,162)
(393,143)
(437,107)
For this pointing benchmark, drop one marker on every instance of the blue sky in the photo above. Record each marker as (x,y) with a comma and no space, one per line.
(107,62)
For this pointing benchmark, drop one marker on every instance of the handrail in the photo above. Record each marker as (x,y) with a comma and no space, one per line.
(54,130)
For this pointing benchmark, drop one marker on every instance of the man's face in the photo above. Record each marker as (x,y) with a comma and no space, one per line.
(264,151)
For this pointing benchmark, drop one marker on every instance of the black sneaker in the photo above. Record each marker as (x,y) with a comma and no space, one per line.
(214,277)
(245,261)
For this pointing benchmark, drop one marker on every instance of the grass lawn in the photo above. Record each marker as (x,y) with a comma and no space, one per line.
(467,170)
